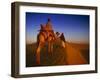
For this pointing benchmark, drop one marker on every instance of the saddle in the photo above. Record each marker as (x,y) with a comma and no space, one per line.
(47,34)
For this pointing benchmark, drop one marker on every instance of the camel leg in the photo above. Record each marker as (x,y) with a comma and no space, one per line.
(50,44)
(63,44)
(49,50)
(38,54)
(50,47)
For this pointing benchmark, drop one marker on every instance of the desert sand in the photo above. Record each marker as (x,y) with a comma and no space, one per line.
(72,54)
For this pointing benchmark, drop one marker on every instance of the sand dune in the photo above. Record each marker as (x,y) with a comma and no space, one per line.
(74,55)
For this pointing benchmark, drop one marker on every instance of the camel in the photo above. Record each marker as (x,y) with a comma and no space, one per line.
(46,34)
(61,38)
